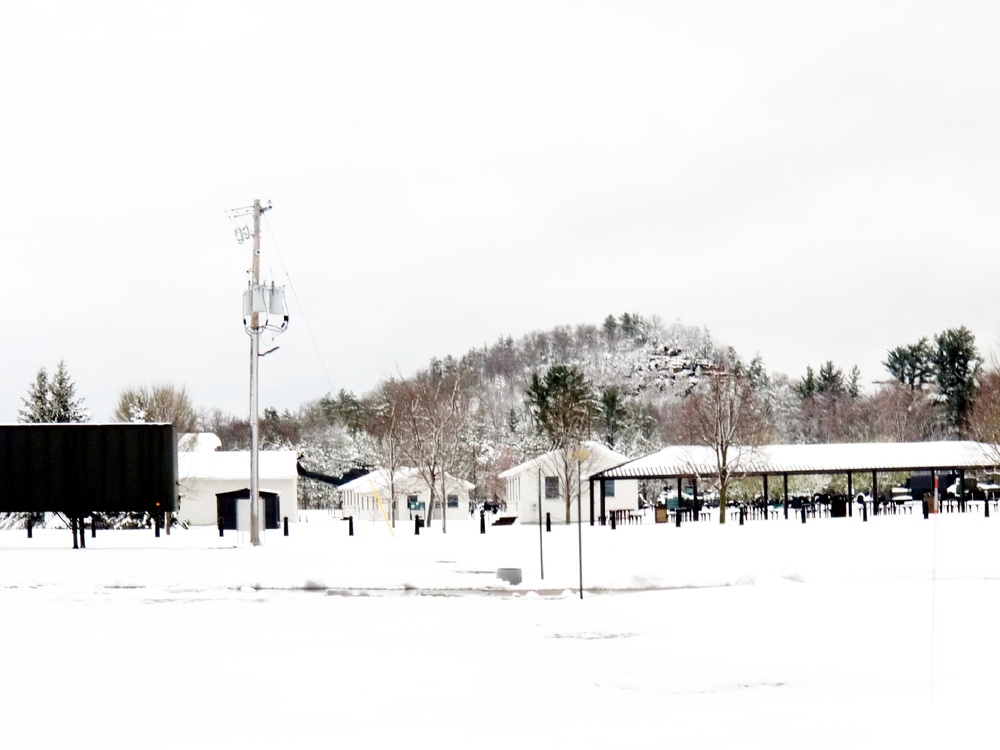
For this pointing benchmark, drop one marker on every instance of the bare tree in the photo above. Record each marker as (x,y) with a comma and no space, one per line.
(435,406)
(161,402)
(902,413)
(984,416)
(383,433)
(726,414)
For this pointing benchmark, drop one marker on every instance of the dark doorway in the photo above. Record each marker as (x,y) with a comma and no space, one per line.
(225,507)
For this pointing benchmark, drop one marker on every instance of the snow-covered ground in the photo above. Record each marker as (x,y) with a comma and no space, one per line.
(834,633)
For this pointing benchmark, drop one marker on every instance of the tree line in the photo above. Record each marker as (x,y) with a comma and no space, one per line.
(632,383)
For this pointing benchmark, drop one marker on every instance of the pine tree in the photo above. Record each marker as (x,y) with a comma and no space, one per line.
(36,405)
(64,405)
(956,363)
(52,400)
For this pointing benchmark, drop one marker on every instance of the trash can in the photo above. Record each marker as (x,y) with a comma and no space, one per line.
(838,506)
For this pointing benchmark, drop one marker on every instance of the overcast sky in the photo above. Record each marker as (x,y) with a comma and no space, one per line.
(809,181)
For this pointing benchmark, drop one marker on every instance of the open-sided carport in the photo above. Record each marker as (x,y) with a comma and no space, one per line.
(691,462)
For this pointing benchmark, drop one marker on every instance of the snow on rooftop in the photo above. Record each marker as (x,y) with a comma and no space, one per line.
(827,458)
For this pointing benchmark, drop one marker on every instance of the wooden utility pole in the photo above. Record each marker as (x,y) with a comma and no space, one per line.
(255,535)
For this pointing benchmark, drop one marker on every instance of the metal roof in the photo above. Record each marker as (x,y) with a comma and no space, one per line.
(826,458)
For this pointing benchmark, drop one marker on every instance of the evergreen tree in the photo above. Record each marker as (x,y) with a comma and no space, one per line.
(561,404)
(612,415)
(807,387)
(956,367)
(854,383)
(53,400)
(831,379)
(36,405)
(64,404)
(911,365)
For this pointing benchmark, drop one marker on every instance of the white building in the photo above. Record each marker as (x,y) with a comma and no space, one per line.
(204,472)
(370,496)
(545,477)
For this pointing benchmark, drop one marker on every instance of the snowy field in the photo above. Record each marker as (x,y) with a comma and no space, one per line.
(830,634)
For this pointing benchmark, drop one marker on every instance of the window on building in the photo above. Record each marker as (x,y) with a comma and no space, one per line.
(609,488)
(413,503)
(551,488)
(452,501)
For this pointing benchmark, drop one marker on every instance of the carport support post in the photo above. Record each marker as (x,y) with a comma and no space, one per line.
(591,502)
(72,524)
(785,480)
(83,539)
(850,492)
(604,519)
(874,485)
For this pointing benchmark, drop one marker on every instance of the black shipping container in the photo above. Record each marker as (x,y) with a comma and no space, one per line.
(82,468)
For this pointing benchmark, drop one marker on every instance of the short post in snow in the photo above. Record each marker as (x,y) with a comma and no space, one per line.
(156,525)
(350,526)
(803,514)
(285,525)
(220,525)
(29,524)
(743,512)
(482,520)
(548,522)
(613,514)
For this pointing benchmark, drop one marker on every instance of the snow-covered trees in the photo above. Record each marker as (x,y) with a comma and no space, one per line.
(53,400)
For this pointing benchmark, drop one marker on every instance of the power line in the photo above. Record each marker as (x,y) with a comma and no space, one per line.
(298,302)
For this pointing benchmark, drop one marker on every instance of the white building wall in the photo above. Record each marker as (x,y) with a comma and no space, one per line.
(359,497)
(202,474)
(525,484)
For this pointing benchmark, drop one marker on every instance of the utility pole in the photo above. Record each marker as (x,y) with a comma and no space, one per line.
(258,299)
(255,536)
